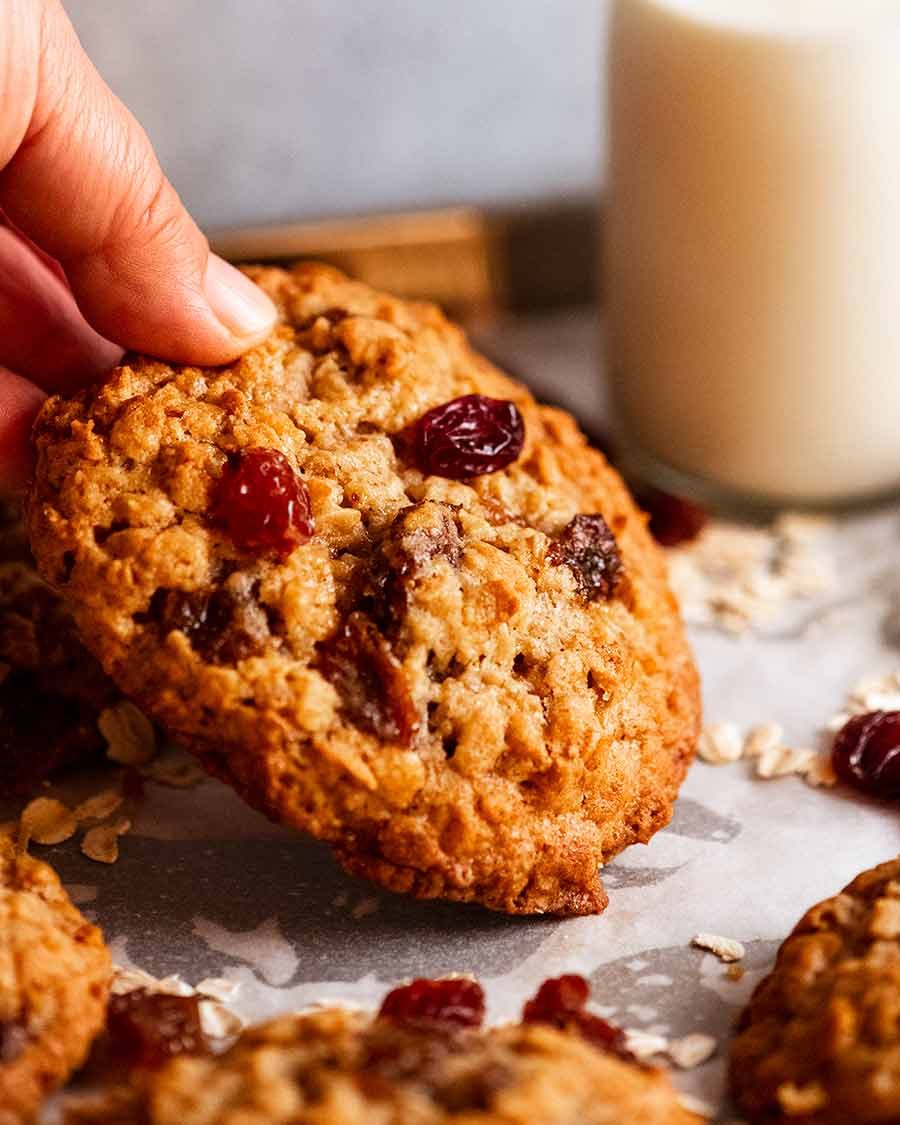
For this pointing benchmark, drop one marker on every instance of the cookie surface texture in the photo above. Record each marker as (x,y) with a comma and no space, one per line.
(465,688)
(54,980)
(819,1043)
(346,1069)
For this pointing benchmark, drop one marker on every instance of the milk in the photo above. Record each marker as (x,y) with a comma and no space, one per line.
(753,243)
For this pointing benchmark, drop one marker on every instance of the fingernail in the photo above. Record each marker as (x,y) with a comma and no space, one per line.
(238,304)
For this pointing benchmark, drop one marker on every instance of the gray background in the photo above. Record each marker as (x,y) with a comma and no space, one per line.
(280,109)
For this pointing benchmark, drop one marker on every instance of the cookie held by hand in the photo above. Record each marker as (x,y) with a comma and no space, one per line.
(381,591)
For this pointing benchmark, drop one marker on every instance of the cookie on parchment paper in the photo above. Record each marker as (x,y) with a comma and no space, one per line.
(819,1043)
(54,981)
(476,689)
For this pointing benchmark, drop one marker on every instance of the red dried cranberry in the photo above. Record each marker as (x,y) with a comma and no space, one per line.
(673,519)
(145,1029)
(468,437)
(561,1002)
(589,548)
(866,753)
(452,1003)
(262,504)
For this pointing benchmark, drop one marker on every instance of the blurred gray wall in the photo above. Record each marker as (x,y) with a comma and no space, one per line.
(275,109)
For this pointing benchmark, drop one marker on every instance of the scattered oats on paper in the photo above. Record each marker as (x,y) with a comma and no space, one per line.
(872,693)
(736,577)
(722,743)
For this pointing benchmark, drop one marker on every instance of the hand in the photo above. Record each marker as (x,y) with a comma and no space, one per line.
(97,252)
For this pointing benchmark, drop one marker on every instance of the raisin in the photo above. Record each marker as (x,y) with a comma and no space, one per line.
(418,535)
(224,625)
(451,1003)
(14,1038)
(370,680)
(673,519)
(588,547)
(262,504)
(561,1002)
(145,1029)
(468,437)
(866,753)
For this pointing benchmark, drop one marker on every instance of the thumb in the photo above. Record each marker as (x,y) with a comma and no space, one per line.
(82,181)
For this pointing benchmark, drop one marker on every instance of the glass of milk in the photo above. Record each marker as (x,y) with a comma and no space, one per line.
(753,245)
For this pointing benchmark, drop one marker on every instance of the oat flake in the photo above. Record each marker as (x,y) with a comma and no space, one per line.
(726,949)
(46,821)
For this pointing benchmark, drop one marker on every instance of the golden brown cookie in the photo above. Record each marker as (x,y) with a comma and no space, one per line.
(52,689)
(475,689)
(54,979)
(819,1043)
(346,1068)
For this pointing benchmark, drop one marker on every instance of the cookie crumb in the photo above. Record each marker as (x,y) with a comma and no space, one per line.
(102,842)
(691,1050)
(726,949)
(130,737)
(735,972)
(45,820)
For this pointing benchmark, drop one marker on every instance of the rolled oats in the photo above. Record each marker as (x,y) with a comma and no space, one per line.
(720,743)
(102,842)
(46,821)
(726,949)
(691,1050)
(98,807)
(129,734)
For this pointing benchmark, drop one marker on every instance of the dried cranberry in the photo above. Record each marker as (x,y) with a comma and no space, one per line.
(673,519)
(589,548)
(262,504)
(866,753)
(457,1002)
(561,1003)
(145,1029)
(557,998)
(468,437)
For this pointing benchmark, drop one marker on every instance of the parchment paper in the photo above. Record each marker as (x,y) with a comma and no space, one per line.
(205,887)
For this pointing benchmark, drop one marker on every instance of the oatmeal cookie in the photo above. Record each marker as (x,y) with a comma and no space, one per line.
(475,688)
(54,979)
(819,1043)
(346,1068)
(52,689)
